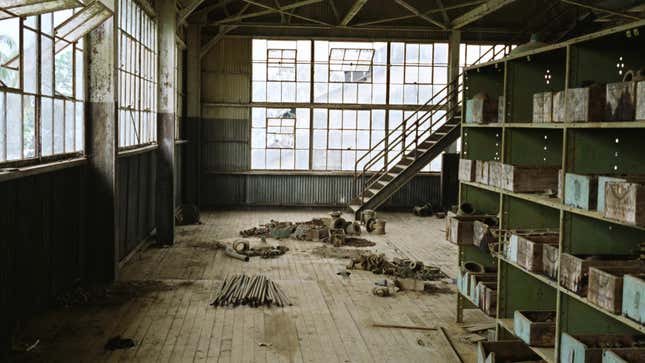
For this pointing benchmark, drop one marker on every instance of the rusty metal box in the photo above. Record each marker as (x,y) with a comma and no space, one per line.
(621,101)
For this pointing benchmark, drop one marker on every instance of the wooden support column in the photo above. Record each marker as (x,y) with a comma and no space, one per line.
(165,207)
(454,40)
(192,125)
(102,147)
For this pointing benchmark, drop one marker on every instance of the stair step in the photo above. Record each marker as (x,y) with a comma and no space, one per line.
(382,182)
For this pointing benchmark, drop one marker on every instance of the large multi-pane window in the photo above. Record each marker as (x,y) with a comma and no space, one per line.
(281,70)
(418,72)
(137,49)
(41,86)
(280,138)
(350,72)
(325,105)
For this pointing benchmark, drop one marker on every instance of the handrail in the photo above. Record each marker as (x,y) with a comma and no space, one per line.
(452,89)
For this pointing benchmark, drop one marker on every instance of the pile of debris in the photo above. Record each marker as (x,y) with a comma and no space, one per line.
(402,268)
(242,250)
(253,291)
(334,230)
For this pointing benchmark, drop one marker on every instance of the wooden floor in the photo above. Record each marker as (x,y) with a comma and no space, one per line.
(170,319)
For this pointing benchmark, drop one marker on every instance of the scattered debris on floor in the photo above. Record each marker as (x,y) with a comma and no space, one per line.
(344,273)
(449,342)
(399,326)
(473,338)
(250,290)
(385,288)
(334,230)
(337,252)
(423,210)
(403,268)
(119,343)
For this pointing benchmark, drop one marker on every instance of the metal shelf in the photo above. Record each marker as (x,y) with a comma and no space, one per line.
(566,125)
(546,353)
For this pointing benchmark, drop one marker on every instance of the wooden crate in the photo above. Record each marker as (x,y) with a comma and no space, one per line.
(548,107)
(621,101)
(481,109)
(634,297)
(538,108)
(475,279)
(589,348)
(623,355)
(529,179)
(466,170)
(606,286)
(560,185)
(585,104)
(505,351)
(530,249)
(460,229)
(542,107)
(559,105)
(550,260)
(495,174)
(640,101)
(625,201)
(488,298)
(535,328)
(581,191)
(481,171)
(480,290)
(501,109)
(483,234)
(602,181)
(574,269)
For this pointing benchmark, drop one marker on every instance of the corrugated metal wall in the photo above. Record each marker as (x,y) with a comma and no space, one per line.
(42,241)
(221,189)
(136,185)
(225,152)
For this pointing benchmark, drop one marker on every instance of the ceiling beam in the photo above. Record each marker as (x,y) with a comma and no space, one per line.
(266,12)
(186,11)
(603,10)
(421,15)
(334,10)
(479,12)
(282,11)
(208,8)
(444,13)
(429,12)
(356,7)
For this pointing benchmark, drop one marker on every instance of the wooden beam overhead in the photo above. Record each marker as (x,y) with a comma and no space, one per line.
(603,10)
(356,7)
(266,12)
(421,15)
(283,11)
(479,12)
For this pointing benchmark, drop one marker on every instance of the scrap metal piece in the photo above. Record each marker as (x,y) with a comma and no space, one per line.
(369,225)
(241,246)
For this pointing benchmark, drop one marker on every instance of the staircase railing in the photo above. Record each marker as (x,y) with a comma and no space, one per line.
(381,151)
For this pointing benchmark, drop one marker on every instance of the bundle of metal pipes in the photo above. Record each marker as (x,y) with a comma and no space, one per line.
(250,290)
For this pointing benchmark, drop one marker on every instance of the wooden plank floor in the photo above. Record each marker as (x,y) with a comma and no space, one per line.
(330,321)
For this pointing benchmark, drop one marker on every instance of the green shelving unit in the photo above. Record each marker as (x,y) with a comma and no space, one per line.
(605,148)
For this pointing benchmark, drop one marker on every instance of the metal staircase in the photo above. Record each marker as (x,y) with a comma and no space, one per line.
(406,149)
